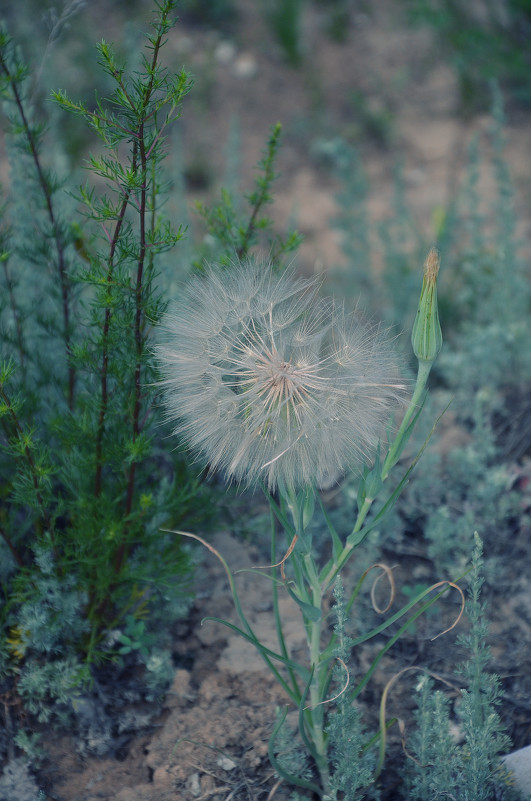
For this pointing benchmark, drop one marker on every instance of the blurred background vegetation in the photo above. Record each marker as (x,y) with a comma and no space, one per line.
(405,124)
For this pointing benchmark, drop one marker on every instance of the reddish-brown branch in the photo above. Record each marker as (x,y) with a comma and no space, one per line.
(16,315)
(59,244)
(139,142)
(104,376)
(139,313)
(138,333)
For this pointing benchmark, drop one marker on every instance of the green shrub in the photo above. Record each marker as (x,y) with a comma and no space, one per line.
(84,483)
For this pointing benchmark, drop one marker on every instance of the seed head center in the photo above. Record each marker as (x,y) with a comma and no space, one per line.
(280,382)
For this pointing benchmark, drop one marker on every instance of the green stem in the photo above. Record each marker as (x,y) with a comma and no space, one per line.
(316,710)
(276,610)
(261,196)
(393,455)
(391,459)
(362,514)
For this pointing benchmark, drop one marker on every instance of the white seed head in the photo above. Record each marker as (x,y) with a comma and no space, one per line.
(266,382)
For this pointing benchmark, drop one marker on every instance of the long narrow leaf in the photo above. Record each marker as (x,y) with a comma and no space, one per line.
(289,777)
(401,612)
(276,610)
(248,632)
(356,691)
(310,612)
(356,537)
(302,722)
(281,517)
(285,660)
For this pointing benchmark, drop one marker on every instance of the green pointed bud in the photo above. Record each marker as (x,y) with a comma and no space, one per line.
(426,337)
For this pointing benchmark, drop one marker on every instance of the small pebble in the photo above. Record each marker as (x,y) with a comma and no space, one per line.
(225,763)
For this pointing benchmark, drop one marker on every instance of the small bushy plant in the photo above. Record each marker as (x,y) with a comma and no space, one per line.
(353,763)
(233,231)
(467,766)
(84,483)
(484,370)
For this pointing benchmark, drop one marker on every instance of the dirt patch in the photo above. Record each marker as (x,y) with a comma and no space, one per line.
(212,735)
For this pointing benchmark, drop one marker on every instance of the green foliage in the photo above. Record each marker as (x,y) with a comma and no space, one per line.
(485,296)
(485,302)
(231,234)
(84,484)
(134,637)
(291,759)
(29,742)
(49,689)
(484,738)
(284,18)
(482,41)
(337,18)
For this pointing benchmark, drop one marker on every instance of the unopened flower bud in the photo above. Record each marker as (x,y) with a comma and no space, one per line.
(426,337)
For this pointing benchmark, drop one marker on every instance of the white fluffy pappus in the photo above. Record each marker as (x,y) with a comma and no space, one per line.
(265,381)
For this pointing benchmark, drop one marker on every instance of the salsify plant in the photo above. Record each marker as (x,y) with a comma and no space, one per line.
(273,386)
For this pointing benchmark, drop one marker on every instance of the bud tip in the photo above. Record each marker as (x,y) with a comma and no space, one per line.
(432,264)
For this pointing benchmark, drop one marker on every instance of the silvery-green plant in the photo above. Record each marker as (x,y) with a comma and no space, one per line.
(271,385)
(471,767)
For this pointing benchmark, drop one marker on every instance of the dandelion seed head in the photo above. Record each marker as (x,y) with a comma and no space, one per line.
(265,381)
